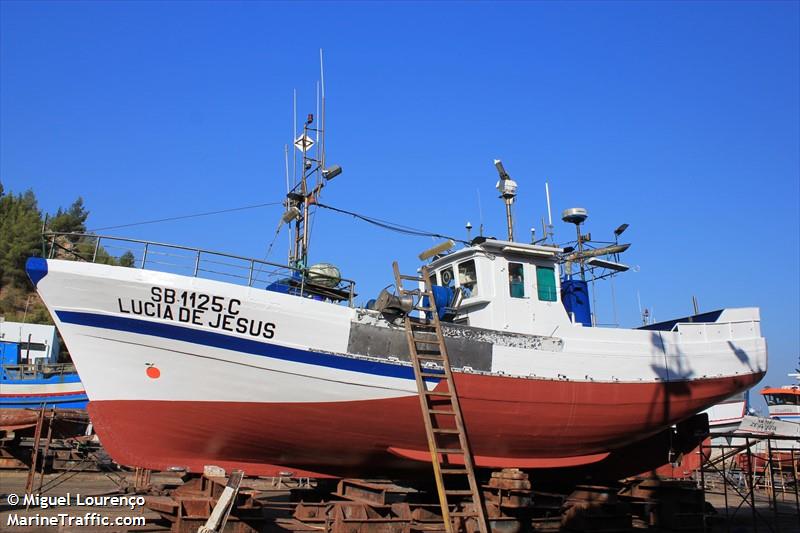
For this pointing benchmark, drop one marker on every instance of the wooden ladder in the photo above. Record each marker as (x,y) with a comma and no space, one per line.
(441,410)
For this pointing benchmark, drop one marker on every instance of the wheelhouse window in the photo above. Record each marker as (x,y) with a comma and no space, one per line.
(546,283)
(781,399)
(467,278)
(446,277)
(516,280)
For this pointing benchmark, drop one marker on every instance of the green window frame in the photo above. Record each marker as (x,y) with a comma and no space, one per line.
(546,284)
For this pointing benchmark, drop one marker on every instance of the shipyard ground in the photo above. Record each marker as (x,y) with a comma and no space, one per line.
(740,516)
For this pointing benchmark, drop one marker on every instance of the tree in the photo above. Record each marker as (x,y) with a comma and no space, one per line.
(127,259)
(20,227)
(71,220)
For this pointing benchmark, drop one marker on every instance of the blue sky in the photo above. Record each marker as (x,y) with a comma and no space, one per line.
(681,119)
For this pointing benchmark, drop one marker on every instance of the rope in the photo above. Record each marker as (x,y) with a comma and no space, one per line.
(169,219)
(391,226)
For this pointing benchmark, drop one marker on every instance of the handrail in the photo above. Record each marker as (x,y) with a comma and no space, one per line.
(251,270)
(724,323)
(36,370)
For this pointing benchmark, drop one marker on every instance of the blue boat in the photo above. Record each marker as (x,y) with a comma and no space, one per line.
(25,388)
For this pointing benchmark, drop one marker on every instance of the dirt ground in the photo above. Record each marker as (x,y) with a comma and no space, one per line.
(737,517)
(75,517)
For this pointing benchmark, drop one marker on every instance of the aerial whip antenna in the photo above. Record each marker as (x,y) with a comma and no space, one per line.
(480,213)
(549,213)
(286,164)
(322,111)
(294,136)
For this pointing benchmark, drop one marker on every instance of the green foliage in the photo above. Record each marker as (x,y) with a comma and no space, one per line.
(20,229)
(127,259)
(72,220)
(21,224)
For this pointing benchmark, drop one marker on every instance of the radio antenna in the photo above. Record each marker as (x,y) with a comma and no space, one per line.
(549,213)
(286,164)
(322,111)
(480,213)
(294,136)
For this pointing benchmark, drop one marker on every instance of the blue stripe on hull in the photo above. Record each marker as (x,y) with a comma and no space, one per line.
(72,401)
(236,344)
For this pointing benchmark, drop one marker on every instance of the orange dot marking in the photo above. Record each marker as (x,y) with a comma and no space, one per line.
(153,372)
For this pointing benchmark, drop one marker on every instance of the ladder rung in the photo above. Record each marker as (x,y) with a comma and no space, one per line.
(459,451)
(437,393)
(425,340)
(432,375)
(446,431)
(458,492)
(454,471)
(461,513)
(440,412)
(409,278)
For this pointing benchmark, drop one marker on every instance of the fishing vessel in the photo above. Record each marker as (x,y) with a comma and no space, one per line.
(195,357)
(783,402)
(29,383)
(725,417)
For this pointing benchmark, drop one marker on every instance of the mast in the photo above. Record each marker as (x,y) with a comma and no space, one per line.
(508,192)
(305,193)
(577,216)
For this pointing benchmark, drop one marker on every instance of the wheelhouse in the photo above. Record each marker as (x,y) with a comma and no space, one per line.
(784,396)
(503,285)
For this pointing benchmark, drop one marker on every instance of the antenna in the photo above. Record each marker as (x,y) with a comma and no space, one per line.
(322,111)
(316,138)
(286,163)
(294,136)
(508,192)
(577,216)
(304,194)
(639,300)
(549,230)
(480,213)
(288,190)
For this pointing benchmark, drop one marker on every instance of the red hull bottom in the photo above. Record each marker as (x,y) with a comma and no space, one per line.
(511,422)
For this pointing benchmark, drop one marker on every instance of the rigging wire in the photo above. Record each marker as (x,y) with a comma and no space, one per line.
(275,238)
(391,226)
(182,217)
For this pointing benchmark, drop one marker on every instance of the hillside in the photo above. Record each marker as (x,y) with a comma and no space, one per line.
(21,226)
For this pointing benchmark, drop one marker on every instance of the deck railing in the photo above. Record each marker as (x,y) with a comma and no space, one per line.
(30,371)
(197,262)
